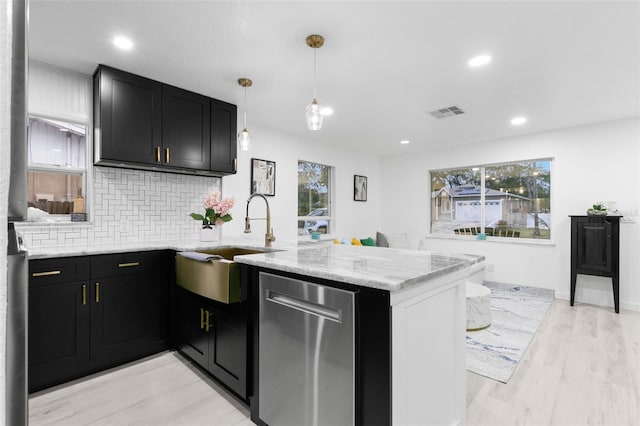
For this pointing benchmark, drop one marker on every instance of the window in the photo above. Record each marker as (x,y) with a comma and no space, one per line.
(56,172)
(314,198)
(510,200)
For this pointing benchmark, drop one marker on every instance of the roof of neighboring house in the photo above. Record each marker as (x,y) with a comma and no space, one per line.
(474,191)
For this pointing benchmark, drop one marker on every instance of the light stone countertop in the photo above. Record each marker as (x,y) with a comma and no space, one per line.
(375,267)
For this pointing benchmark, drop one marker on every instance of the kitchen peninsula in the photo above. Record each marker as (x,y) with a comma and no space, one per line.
(392,354)
(405,362)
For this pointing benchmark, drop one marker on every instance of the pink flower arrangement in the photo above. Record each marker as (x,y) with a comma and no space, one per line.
(216,210)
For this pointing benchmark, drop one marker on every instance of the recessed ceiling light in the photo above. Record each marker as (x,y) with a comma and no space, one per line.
(123,43)
(518,121)
(479,61)
(405,142)
(326,111)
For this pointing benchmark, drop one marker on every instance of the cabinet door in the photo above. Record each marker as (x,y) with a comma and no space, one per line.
(594,246)
(223,137)
(127,114)
(228,346)
(125,315)
(59,316)
(186,129)
(192,329)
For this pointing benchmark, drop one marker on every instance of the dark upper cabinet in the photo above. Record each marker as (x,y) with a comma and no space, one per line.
(595,250)
(144,124)
(186,129)
(127,117)
(223,130)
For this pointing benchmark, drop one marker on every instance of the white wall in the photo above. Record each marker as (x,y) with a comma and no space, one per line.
(352,218)
(591,163)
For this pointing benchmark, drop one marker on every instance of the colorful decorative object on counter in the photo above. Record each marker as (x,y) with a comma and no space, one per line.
(217,212)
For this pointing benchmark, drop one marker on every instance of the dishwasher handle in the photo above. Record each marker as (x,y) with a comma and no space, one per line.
(316,309)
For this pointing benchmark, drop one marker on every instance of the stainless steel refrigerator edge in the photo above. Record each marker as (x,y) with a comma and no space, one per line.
(18,180)
(17,263)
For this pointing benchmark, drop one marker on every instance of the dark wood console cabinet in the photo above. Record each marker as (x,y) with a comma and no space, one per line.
(595,250)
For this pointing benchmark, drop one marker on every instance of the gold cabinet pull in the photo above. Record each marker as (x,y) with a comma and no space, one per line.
(97,292)
(128,265)
(166,155)
(235,165)
(157,154)
(84,294)
(207,325)
(201,318)
(45,274)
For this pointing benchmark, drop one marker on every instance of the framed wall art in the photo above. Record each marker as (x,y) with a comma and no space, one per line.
(359,188)
(263,177)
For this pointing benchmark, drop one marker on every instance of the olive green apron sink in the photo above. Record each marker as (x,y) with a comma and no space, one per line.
(217,279)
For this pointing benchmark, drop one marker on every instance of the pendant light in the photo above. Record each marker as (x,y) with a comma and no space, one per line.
(244,138)
(314,118)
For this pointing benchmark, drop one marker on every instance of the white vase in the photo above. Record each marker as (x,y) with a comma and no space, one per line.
(210,234)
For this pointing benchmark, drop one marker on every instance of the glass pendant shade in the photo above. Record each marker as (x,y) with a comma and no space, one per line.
(244,140)
(314,118)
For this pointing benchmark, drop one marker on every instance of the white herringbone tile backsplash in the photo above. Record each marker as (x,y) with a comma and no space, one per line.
(132,205)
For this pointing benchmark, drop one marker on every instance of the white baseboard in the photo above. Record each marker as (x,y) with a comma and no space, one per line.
(628,306)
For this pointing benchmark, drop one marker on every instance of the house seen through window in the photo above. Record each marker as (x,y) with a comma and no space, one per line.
(314,198)
(56,175)
(510,200)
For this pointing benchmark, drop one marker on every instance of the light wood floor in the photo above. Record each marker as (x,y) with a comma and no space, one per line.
(164,389)
(582,368)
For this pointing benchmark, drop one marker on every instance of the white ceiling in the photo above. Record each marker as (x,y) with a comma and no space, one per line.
(384,65)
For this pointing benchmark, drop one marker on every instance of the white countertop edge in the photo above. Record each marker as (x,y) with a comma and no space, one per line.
(380,284)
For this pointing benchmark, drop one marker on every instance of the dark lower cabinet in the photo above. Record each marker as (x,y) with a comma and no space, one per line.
(595,250)
(59,321)
(114,311)
(129,311)
(214,335)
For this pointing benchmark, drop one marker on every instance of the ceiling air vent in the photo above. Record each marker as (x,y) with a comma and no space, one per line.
(451,111)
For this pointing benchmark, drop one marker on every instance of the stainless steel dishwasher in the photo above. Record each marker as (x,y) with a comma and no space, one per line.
(306,353)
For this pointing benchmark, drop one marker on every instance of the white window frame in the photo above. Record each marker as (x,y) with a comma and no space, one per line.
(330,201)
(59,169)
(57,93)
(482,168)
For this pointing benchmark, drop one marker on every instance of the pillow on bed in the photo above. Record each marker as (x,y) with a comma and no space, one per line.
(355,242)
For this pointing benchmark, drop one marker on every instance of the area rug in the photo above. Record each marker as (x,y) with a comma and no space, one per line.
(516,312)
